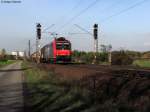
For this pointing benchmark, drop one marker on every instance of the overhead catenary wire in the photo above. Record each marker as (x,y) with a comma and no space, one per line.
(107,18)
(76,6)
(48,28)
(112,5)
(83,11)
(80,13)
(105,9)
(83,29)
(116,14)
(124,10)
(92,4)
(77,33)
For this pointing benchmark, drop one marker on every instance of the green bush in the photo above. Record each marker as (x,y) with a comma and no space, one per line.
(121,58)
(88,57)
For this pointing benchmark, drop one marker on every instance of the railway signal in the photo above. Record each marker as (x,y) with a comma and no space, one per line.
(95,35)
(95,31)
(38,31)
(38,38)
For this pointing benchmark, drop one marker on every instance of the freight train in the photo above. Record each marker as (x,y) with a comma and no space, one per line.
(58,51)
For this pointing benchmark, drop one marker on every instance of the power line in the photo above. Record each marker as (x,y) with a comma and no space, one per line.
(79,2)
(111,6)
(80,13)
(83,29)
(48,27)
(77,33)
(76,6)
(124,10)
(84,10)
(105,9)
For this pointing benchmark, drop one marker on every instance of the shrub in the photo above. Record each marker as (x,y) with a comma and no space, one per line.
(121,58)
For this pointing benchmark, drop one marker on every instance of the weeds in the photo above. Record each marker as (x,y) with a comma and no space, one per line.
(49,93)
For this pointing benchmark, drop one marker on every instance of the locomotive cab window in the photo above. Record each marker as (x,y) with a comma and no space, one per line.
(59,46)
(67,47)
(63,46)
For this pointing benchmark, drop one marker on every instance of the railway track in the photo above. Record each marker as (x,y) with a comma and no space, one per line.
(82,70)
(113,67)
(108,68)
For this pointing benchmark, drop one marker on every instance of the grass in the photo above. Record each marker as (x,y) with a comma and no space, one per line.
(142,63)
(46,93)
(4,63)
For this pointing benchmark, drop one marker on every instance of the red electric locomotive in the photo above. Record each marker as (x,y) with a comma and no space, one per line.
(58,51)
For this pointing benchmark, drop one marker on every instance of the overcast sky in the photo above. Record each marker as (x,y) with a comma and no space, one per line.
(129,30)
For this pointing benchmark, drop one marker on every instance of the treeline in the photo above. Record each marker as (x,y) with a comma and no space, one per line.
(122,57)
(5,57)
(89,57)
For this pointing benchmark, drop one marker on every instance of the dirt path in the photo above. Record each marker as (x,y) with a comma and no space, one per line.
(11,88)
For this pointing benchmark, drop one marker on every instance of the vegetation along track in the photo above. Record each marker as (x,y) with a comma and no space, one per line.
(81,70)
(121,88)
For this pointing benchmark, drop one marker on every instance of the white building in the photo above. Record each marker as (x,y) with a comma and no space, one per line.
(18,54)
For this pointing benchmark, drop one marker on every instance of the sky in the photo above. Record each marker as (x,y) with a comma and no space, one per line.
(123,29)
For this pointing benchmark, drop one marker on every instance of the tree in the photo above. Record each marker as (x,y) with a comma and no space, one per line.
(3,52)
(106,48)
(3,55)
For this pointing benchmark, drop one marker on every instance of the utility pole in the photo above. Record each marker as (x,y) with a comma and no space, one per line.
(25,56)
(38,38)
(29,44)
(109,54)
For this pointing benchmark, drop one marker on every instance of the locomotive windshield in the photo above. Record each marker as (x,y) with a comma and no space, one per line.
(63,46)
